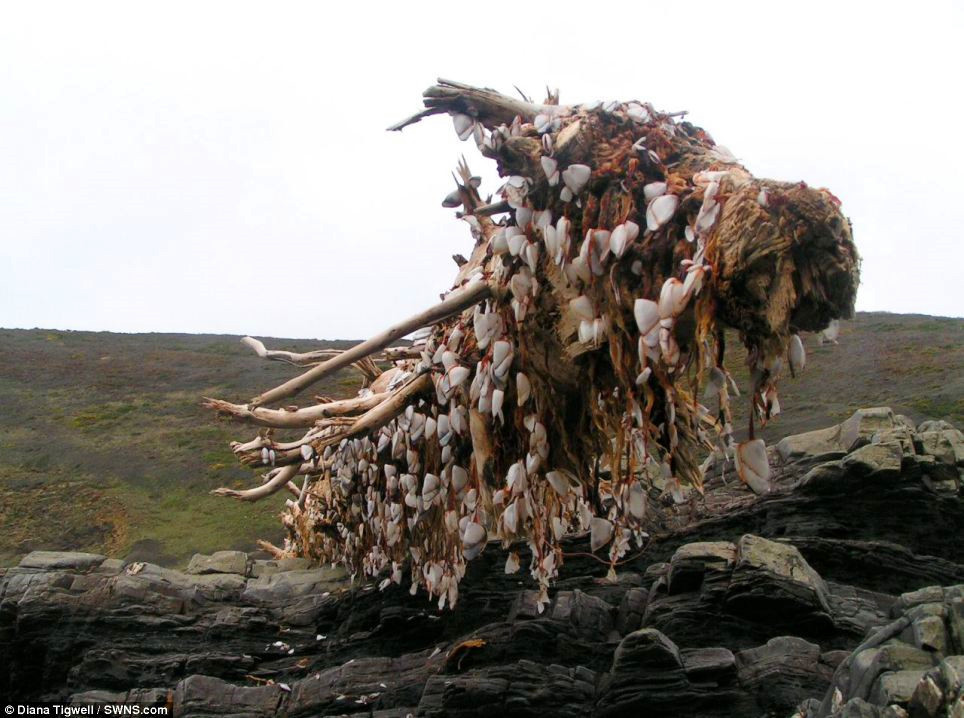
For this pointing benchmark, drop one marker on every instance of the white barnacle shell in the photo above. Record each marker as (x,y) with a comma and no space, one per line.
(693,282)
(637,501)
(449,359)
(646,312)
(707,216)
(797,354)
(576,177)
(510,518)
(600,328)
(654,190)
(551,168)
(471,497)
(585,332)
(515,478)
(430,425)
(444,429)
(637,112)
(672,299)
(460,477)
(521,285)
(473,540)
(582,307)
(458,375)
(517,242)
(752,465)
(562,239)
(500,241)
(430,489)
(463,125)
(265,456)
(660,211)
(501,358)
(622,236)
(532,256)
(522,388)
(498,396)
(533,462)
(559,481)
(523,217)
(600,532)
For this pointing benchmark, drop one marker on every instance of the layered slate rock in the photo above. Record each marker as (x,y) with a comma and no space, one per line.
(836,594)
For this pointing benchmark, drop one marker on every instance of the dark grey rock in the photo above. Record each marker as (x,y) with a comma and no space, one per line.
(739,606)
(219,562)
(47,560)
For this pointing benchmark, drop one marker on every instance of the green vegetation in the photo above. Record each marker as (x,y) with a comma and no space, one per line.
(104,446)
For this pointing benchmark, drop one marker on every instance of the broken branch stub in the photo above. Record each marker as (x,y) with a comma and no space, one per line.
(559,387)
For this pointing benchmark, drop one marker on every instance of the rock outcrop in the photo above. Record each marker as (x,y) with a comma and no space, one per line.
(839,593)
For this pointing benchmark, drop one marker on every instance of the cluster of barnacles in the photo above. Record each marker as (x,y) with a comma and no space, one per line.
(462,442)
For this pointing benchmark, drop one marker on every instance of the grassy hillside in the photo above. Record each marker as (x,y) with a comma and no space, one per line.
(103,445)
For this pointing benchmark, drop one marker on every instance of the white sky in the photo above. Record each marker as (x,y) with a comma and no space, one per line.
(224,167)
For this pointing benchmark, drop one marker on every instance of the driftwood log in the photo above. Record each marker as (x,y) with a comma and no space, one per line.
(557,388)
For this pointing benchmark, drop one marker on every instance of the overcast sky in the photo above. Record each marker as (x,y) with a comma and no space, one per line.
(224,167)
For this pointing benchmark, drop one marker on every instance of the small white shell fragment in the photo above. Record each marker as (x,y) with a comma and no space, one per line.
(512,563)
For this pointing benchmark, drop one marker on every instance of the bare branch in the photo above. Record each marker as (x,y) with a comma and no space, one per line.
(491,108)
(301,418)
(277,482)
(457,301)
